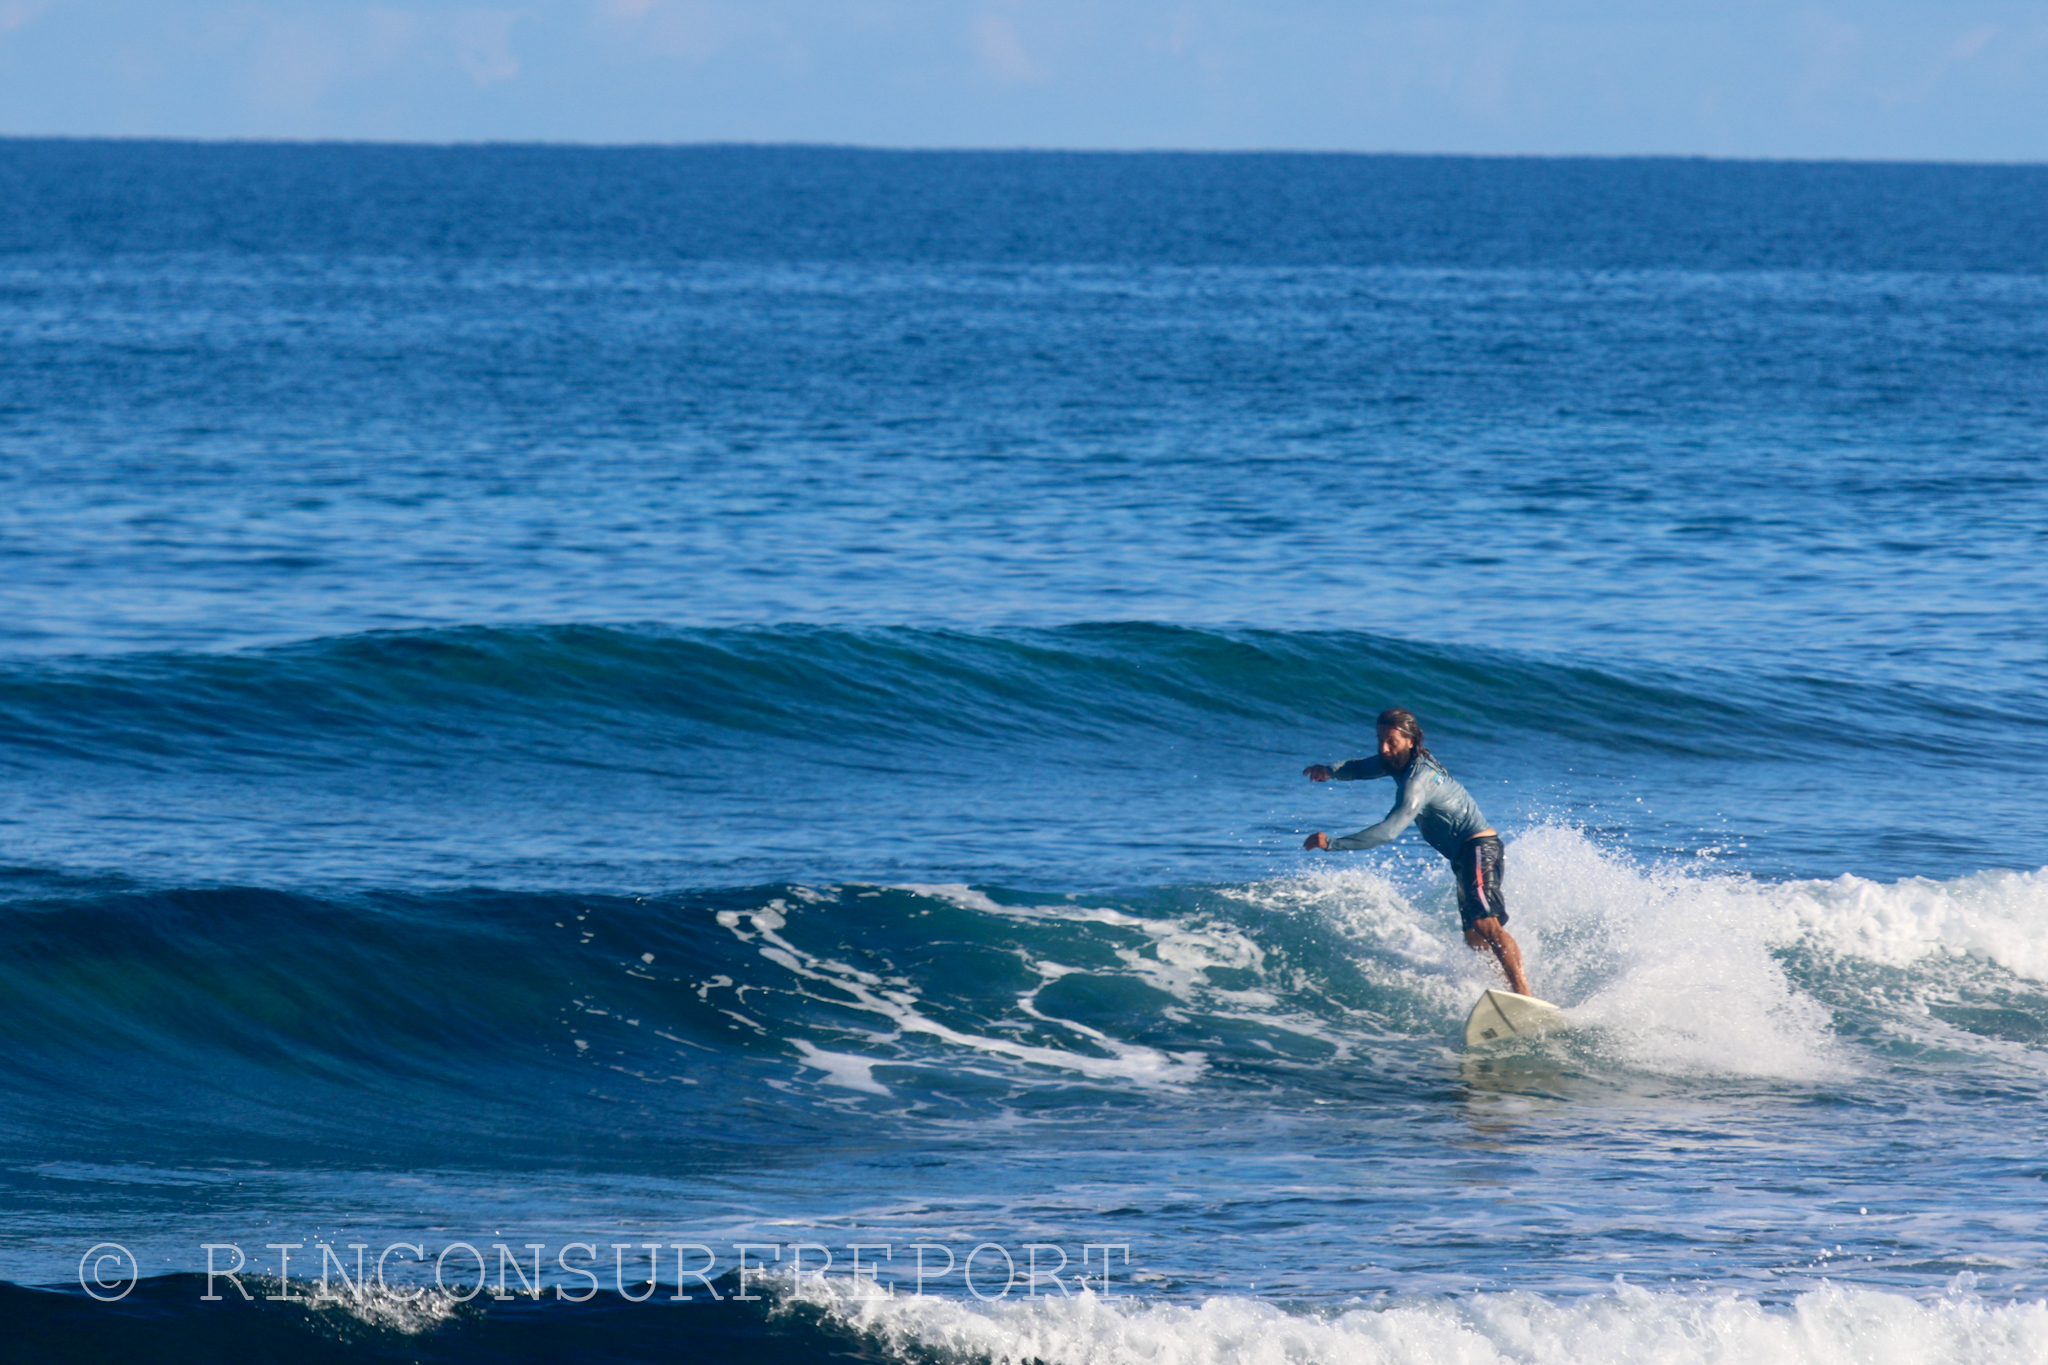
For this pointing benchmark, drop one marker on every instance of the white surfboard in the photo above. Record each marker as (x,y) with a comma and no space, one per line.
(1501,1015)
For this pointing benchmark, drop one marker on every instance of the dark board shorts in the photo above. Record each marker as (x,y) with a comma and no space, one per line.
(1478,870)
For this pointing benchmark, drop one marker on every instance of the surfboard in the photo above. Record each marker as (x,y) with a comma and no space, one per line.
(1501,1015)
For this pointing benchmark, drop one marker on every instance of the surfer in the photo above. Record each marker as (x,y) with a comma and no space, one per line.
(1428,796)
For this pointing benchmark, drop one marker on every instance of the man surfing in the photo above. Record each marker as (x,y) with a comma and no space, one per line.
(1428,796)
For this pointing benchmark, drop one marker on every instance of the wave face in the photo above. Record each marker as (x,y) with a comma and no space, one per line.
(702,1001)
(579,757)
(587,1068)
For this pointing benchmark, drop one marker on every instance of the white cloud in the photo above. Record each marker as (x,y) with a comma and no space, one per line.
(296,65)
(1002,51)
(1971,43)
(1182,35)
(1831,51)
(483,44)
(16,14)
(691,29)
(391,32)
(293,66)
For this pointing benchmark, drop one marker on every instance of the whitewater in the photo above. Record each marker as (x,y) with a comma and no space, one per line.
(620,751)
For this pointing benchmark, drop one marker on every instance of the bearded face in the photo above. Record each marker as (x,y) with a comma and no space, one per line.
(1395,749)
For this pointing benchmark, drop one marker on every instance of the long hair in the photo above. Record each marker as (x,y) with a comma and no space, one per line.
(1401,719)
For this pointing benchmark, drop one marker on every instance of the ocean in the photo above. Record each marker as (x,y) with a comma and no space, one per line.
(630,754)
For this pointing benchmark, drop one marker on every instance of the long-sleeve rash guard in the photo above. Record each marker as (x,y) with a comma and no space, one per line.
(1427,797)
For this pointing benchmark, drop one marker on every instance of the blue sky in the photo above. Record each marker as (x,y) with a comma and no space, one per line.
(1953,80)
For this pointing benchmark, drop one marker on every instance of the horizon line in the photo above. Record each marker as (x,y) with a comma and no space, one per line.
(569,144)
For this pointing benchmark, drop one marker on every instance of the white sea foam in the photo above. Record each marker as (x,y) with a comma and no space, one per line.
(842,1069)
(1994,916)
(1679,969)
(1670,972)
(407,1309)
(1175,955)
(1404,946)
(894,1003)
(1671,969)
(1675,967)
(1627,1326)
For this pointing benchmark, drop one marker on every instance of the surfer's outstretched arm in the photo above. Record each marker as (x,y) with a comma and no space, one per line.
(1352,770)
(1386,831)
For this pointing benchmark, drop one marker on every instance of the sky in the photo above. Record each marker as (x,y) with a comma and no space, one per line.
(1954,80)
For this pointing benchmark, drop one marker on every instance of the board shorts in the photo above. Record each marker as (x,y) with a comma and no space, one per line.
(1478,871)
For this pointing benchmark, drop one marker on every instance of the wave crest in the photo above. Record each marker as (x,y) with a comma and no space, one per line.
(1625,1326)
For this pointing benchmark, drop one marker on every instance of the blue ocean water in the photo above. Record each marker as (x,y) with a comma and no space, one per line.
(596,708)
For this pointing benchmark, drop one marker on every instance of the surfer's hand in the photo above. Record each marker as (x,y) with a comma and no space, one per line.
(1316,772)
(1318,840)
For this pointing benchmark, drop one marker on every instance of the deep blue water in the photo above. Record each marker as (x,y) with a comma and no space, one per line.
(574,697)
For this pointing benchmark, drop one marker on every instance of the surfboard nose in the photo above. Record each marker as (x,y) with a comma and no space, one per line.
(1501,1015)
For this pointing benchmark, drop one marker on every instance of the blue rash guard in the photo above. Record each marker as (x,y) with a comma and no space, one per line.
(1429,798)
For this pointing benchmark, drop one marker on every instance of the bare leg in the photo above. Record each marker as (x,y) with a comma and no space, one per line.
(1489,933)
